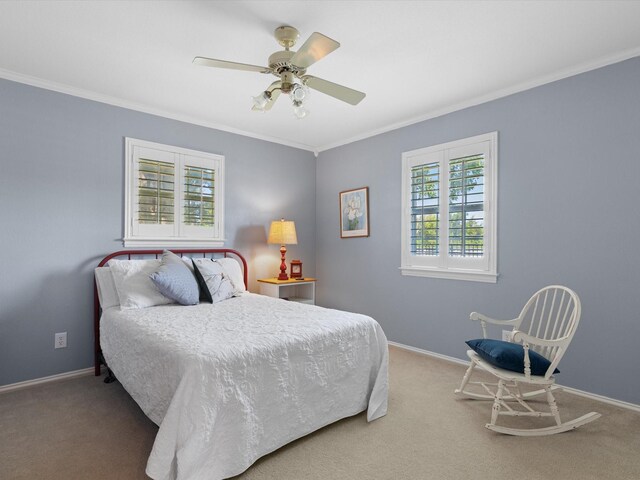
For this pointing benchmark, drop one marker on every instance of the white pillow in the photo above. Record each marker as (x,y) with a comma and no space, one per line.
(133,284)
(232,268)
(215,284)
(107,293)
(187,261)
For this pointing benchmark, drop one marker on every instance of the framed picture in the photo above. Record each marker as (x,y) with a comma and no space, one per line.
(354,213)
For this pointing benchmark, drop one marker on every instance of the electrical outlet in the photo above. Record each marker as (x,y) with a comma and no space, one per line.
(506,335)
(60,340)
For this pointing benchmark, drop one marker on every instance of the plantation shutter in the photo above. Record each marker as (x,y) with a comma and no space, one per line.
(198,196)
(156,192)
(468,216)
(425,209)
(466,206)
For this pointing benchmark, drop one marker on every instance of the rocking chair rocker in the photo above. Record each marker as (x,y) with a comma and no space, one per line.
(545,326)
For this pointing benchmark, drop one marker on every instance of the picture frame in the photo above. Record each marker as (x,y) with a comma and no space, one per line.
(354,213)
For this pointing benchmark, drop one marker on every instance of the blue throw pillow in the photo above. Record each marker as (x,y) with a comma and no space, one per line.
(509,356)
(174,280)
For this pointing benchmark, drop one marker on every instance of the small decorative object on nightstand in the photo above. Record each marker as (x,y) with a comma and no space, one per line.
(301,290)
(296,269)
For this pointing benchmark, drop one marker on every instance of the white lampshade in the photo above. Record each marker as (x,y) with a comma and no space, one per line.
(283,232)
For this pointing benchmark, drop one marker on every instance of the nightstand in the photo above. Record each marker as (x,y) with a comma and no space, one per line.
(295,290)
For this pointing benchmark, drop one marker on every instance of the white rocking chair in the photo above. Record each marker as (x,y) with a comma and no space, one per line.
(545,325)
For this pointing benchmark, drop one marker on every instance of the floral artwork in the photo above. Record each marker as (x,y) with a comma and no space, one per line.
(354,213)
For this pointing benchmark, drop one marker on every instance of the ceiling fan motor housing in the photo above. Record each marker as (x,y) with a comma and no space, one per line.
(281,61)
(280,64)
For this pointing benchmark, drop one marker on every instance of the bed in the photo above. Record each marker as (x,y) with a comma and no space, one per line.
(232,381)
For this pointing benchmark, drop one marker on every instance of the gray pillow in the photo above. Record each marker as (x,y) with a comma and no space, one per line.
(175,281)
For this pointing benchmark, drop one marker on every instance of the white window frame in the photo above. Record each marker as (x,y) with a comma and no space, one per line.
(483,269)
(178,234)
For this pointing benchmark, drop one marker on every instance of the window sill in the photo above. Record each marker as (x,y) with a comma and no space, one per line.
(172,242)
(451,274)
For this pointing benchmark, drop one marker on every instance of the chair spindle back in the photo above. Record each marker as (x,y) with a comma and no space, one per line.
(552,313)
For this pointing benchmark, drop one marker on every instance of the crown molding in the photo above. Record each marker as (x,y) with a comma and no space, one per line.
(119,102)
(537,82)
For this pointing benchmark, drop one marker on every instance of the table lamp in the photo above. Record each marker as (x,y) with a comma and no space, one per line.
(283,232)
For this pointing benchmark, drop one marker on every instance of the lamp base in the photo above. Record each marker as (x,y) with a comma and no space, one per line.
(283,265)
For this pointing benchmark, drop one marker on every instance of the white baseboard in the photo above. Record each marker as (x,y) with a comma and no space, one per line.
(602,398)
(430,354)
(575,391)
(52,378)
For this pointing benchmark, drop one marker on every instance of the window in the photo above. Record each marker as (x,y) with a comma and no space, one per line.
(449,210)
(174,196)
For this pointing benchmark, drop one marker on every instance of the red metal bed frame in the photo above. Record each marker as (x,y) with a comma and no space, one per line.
(129,253)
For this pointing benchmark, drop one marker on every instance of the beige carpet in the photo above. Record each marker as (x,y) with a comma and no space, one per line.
(85,429)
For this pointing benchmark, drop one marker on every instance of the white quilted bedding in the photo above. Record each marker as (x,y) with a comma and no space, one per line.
(230,382)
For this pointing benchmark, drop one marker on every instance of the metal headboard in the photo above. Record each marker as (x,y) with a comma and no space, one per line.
(98,359)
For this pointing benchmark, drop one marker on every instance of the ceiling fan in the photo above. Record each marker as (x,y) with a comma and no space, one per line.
(291,68)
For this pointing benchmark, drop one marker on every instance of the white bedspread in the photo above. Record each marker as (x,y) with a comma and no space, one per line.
(230,382)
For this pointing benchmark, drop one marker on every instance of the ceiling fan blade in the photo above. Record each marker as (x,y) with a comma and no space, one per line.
(316,47)
(212,62)
(340,92)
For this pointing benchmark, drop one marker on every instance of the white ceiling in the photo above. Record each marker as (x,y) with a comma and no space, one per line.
(414,59)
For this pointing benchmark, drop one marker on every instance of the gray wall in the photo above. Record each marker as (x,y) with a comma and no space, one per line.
(61,193)
(569,172)
(568,175)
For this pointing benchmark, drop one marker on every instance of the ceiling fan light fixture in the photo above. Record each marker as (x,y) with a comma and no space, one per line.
(260,101)
(299,92)
(298,110)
